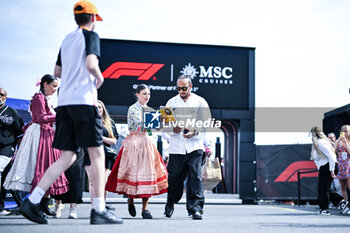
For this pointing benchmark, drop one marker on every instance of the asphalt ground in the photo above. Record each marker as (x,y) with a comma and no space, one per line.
(216,218)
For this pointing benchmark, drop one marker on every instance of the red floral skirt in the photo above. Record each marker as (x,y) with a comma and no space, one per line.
(139,170)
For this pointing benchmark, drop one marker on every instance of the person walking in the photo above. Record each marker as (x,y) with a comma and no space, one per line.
(78,123)
(110,137)
(186,151)
(323,155)
(36,154)
(342,147)
(11,134)
(139,171)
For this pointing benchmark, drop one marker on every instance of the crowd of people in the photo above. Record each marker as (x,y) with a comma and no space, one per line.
(54,147)
(138,170)
(47,156)
(331,156)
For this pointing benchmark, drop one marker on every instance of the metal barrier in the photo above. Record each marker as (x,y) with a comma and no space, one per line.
(299,183)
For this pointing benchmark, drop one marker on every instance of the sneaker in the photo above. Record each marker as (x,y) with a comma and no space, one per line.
(44,204)
(4,213)
(190,214)
(33,212)
(344,207)
(73,213)
(169,209)
(197,216)
(324,212)
(104,217)
(58,210)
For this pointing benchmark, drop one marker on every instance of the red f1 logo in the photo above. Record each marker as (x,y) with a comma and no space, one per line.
(144,71)
(290,174)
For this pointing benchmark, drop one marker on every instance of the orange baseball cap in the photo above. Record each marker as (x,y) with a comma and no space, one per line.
(87,7)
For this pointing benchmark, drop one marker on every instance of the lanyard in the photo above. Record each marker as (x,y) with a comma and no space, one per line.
(3,110)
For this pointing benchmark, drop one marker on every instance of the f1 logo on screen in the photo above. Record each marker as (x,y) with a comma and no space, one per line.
(151,120)
(144,71)
(218,72)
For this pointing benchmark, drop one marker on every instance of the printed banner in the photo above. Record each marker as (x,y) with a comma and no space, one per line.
(277,172)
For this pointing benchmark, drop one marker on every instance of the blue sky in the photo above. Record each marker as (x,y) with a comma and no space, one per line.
(302,46)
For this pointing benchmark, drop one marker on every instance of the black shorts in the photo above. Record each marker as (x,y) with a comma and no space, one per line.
(77,126)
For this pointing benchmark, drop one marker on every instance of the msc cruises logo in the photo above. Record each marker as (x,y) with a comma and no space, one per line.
(144,71)
(189,70)
(210,74)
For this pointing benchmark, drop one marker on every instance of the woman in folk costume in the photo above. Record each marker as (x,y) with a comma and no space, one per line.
(323,155)
(139,171)
(35,153)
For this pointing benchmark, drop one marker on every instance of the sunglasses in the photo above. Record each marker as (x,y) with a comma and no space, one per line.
(182,88)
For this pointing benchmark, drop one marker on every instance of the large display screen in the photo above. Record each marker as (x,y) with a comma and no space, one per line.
(219,73)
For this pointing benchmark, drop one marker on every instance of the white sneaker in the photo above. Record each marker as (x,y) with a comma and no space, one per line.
(73,213)
(58,210)
(4,213)
(324,212)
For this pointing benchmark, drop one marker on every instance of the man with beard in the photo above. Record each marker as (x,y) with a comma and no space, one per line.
(186,150)
(11,124)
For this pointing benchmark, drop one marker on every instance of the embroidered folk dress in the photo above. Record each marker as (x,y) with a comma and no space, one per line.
(139,170)
(36,153)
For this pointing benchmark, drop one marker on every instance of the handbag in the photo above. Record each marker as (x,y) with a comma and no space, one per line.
(110,152)
(211,174)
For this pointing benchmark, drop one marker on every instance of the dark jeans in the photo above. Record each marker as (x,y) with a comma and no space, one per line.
(16,194)
(181,167)
(325,193)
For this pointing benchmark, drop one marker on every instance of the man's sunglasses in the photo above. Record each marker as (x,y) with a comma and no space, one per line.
(182,88)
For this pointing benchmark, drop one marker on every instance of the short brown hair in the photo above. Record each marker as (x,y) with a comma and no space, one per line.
(82,19)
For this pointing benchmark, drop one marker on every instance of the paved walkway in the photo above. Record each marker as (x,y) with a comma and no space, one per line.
(210,198)
(216,218)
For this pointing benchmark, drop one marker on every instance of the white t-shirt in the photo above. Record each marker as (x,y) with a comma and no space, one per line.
(78,85)
(178,143)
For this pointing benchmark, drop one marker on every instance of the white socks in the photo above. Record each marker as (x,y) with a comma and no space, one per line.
(99,204)
(36,195)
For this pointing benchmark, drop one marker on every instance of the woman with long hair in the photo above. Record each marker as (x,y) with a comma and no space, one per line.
(323,155)
(139,171)
(343,151)
(110,137)
(36,153)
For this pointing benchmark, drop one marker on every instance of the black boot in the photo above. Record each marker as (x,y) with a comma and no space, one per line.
(45,208)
